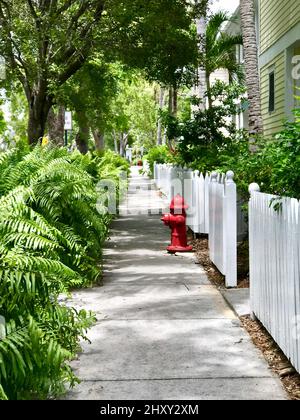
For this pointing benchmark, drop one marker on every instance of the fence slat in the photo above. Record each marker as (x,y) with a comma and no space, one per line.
(274,242)
(230,230)
(213,209)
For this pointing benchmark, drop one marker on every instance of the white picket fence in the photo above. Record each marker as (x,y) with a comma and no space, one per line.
(193,186)
(274,235)
(212,201)
(274,241)
(223,225)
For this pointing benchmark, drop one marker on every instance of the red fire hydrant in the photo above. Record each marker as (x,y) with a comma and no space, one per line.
(176,220)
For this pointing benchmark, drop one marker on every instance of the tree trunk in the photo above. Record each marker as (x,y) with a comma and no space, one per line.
(175,102)
(83,135)
(159,126)
(99,140)
(159,132)
(123,143)
(247,11)
(56,125)
(164,141)
(39,106)
(208,87)
(116,142)
(171,101)
(201,79)
(121,151)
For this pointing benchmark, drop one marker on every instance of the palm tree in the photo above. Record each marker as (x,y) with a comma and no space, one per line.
(201,10)
(247,11)
(220,51)
(201,82)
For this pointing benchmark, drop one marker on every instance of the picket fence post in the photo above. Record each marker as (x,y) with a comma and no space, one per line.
(230,230)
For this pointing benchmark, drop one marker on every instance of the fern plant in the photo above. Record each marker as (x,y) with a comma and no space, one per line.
(51,237)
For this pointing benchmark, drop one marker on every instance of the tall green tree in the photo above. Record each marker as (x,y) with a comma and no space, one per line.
(46,42)
(90,94)
(134,113)
(110,100)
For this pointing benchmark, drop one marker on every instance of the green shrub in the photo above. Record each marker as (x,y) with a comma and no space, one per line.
(109,166)
(51,237)
(158,154)
(202,139)
(275,165)
(210,142)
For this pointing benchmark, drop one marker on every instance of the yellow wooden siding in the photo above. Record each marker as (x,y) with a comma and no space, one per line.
(277,17)
(273,121)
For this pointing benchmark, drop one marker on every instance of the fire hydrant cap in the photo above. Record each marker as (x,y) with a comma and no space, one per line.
(178,203)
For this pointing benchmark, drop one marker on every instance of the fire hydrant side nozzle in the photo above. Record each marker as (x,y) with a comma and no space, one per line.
(176,220)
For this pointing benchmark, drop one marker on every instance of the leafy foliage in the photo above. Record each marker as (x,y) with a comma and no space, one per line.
(158,154)
(275,165)
(109,165)
(45,43)
(204,137)
(133,110)
(157,36)
(90,93)
(51,237)
(210,142)
(220,47)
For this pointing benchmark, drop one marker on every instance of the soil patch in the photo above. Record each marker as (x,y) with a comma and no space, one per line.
(202,253)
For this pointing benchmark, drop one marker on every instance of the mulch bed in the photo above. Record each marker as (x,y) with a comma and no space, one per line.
(202,252)
(259,335)
(274,356)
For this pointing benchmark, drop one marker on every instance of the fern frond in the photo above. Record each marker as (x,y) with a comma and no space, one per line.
(30,241)
(51,238)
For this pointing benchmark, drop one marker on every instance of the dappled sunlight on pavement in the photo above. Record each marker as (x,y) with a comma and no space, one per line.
(163,331)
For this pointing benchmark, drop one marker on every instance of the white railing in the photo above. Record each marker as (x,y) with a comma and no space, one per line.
(274,236)
(212,202)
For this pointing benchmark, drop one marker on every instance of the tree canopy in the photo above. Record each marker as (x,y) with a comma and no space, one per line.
(46,42)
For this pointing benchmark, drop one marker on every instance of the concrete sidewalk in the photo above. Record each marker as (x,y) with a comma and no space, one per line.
(163,331)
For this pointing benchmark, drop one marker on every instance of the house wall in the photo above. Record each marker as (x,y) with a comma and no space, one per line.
(277,17)
(279,29)
(273,121)
(296,86)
